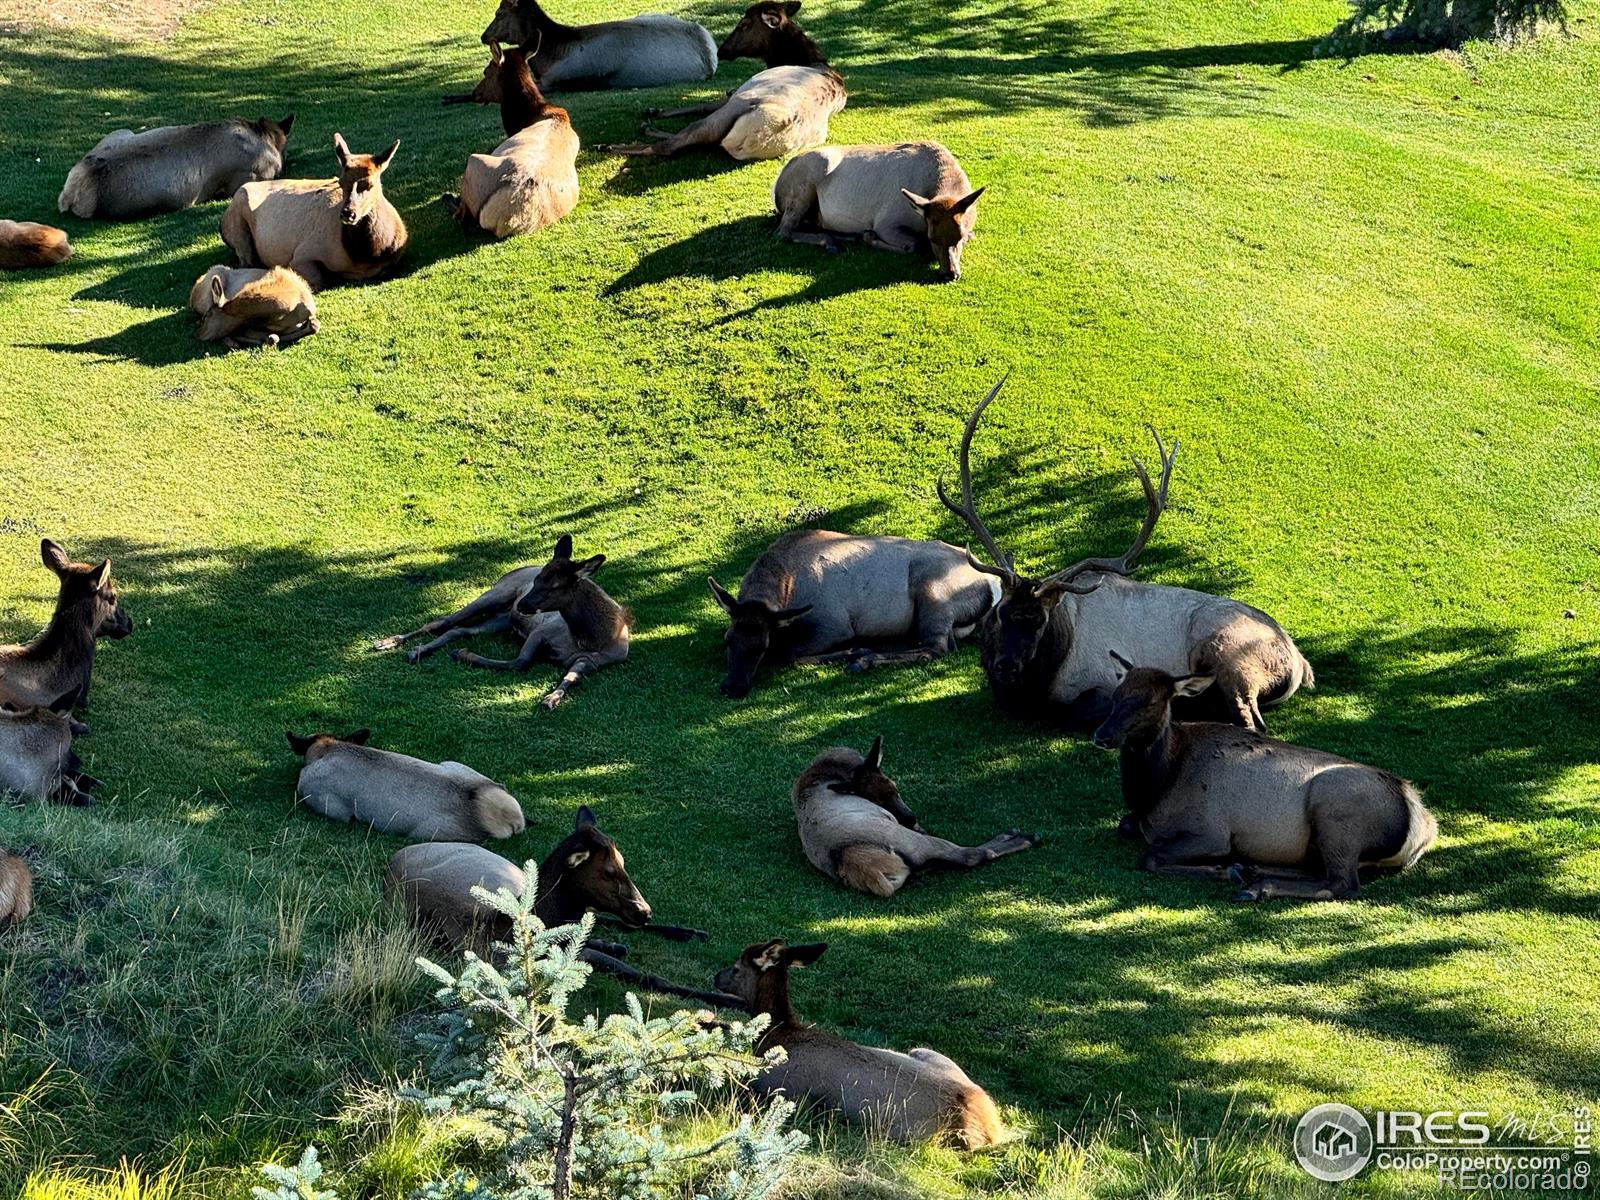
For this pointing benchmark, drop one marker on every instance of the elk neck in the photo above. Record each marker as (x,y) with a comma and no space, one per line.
(772,998)
(522,103)
(792,47)
(70,634)
(594,618)
(1148,766)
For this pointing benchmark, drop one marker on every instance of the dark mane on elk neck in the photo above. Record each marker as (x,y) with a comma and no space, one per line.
(521,102)
(375,238)
(794,47)
(594,618)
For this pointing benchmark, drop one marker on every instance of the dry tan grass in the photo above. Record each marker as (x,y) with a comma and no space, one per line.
(135,20)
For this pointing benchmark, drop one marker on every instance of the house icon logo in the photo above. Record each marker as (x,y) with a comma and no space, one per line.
(1333,1142)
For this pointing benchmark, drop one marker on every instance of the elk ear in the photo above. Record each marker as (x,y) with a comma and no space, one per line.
(804,956)
(381,161)
(770,955)
(299,744)
(590,565)
(101,574)
(496,55)
(563,547)
(792,7)
(341,149)
(1120,661)
(585,818)
(359,738)
(54,556)
(771,20)
(1192,685)
(788,616)
(875,755)
(917,202)
(577,858)
(967,201)
(286,125)
(723,596)
(219,295)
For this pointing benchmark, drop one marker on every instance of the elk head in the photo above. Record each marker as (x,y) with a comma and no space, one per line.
(587,871)
(304,744)
(557,583)
(754,624)
(1141,707)
(870,783)
(760,29)
(360,182)
(87,590)
(1016,626)
(761,976)
(948,221)
(516,22)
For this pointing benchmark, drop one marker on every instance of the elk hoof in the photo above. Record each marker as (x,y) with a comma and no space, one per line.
(1240,875)
(655,111)
(553,699)
(413,656)
(1128,827)
(1248,895)
(79,729)
(386,643)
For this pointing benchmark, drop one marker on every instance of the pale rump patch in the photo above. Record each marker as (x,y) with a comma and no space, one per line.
(872,869)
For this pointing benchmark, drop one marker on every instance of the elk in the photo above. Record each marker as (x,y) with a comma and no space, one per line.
(26,244)
(344,779)
(325,230)
(558,610)
(820,597)
(1045,641)
(917,1096)
(16,889)
(36,757)
(585,871)
(911,198)
(637,52)
(1218,802)
(244,307)
(531,179)
(857,830)
(775,111)
(60,660)
(131,174)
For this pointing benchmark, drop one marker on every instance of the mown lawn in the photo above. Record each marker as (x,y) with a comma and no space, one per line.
(1363,295)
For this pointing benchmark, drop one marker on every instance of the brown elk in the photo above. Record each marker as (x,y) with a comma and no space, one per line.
(16,889)
(917,1096)
(25,244)
(633,52)
(1045,641)
(244,307)
(856,829)
(775,111)
(585,872)
(820,597)
(60,660)
(325,230)
(1218,802)
(36,757)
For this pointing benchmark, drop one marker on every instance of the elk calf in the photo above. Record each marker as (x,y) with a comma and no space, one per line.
(16,889)
(1218,802)
(917,1096)
(59,662)
(326,230)
(634,52)
(36,758)
(909,198)
(856,829)
(244,307)
(815,596)
(25,244)
(162,170)
(344,779)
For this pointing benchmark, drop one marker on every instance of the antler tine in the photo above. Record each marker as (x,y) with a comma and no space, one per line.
(1155,499)
(967,510)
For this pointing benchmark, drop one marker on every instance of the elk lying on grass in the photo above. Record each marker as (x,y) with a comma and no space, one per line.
(1045,643)
(325,230)
(244,307)
(917,1096)
(162,170)
(815,596)
(1218,802)
(856,829)
(16,889)
(911,198)
(25,244)
(344,779)
(531,179)
(36,758)
(558,610)
(775,111)
(60,660)
(585,871)
(635,52)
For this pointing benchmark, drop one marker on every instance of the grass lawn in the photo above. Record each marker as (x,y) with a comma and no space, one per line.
(1362,293)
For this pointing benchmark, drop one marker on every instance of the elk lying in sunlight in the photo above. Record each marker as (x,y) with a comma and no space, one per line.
(245,307)
(633,52)
(25,244)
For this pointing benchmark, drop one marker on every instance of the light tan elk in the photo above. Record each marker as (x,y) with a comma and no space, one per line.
(531,179)
(558,610)
(775,111)
(584,872)
(36,758)
(634,52)
(856,829)
(60,660)
(162,170)
(1045,643)
(243,307)
(25,244)
(911,198)
(325,230)
(16,889)
(917,1096)
(344,779)
(815,596)
(1218,802)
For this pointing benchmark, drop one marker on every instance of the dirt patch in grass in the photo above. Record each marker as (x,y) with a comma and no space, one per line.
(131,19)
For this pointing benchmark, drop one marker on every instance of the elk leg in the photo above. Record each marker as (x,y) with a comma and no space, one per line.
(487,603)
(498,625)
(688,110)
(879,242)
(707,131)
(654,983)
(574,676)
(613,949)
(953,857)
(673,933)
(1196,855)
(892,658)
(526,657)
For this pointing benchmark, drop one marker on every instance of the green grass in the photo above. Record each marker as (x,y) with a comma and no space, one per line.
(1362,293)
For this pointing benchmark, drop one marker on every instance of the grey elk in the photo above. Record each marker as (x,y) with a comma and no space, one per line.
(911,198)
(856,829)
(584,872)
(919,1095)
(531,179)
(325,230)
(60,660)
(820,597)
(245,307)
(27,244)
(36,757)
(635,52)
(162,170)
(558,611)
(1218,802)
(1045,643)
(16,889)
(772,113)
(344,779)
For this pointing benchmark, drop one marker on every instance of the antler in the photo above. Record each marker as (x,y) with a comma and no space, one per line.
(965,510)
(1155,504)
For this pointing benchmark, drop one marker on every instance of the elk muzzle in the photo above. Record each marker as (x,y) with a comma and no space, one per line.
(118,625)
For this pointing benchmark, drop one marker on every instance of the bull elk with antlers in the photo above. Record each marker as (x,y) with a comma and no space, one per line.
(1046,643)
